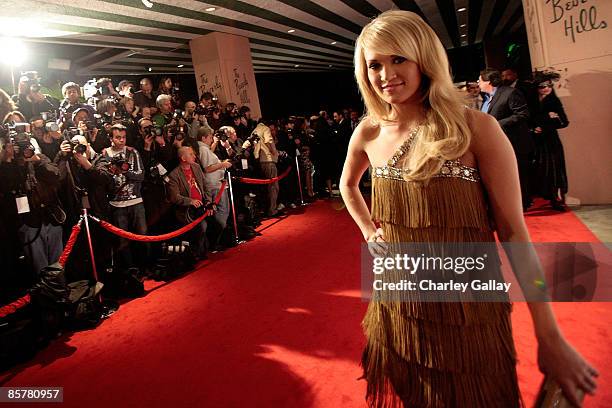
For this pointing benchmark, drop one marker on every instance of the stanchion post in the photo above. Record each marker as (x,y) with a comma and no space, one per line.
(231,193)
(91,252)
(297,167)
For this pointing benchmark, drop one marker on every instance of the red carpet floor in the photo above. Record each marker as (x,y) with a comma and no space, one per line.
(271,323)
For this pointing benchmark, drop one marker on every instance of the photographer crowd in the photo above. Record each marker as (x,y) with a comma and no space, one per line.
(148,163)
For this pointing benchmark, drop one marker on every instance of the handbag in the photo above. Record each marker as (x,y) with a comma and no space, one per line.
(550,395)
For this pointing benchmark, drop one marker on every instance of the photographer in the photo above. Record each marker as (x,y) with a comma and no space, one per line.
(125,88)
(72,101)
(83,173)
(128,108)
(146,97)
(156,154)
(6,104)
(106,109)
(265,151)
(82,120)
(104,90)
(47,135)
(168,88)
(214,174)
(127,209)
(164,113)
(246,120)
(29,180)
(227,144)
(186,190)
(31,101)
(194,118)
(231,111)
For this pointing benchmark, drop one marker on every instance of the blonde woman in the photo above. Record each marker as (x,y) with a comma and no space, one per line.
(437,169)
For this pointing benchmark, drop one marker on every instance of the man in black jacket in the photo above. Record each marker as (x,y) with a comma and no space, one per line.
(509,107)
(29,183)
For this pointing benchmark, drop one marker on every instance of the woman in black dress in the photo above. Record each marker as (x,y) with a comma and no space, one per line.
(550,178)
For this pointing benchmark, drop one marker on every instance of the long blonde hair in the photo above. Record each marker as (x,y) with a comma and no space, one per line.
(445,135)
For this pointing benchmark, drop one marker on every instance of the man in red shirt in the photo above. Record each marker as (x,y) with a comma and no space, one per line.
(187,191)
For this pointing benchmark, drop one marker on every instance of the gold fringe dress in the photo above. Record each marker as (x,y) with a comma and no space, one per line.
(426,354)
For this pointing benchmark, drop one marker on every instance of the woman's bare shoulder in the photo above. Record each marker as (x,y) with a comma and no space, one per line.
(366,131)
(484,129)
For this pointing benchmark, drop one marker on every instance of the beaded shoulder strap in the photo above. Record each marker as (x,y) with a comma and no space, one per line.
(404,148)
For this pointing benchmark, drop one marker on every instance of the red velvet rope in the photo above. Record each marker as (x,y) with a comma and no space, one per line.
(156,238)
(14,306)
(263,181)
(70,244)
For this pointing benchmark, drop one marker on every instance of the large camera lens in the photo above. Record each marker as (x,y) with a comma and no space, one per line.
(80,148)
(51,127)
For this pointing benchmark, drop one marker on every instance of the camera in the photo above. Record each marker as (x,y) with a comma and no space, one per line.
(50,119)
(253,138)
(158,173)
(177,131)
(221,135)
(153,130)
(178,114)
(32,80)
(18,135)
(120,163)
(101,120)
(76,146)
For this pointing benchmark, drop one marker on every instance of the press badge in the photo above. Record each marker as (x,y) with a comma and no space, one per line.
(245,164)
(162,169)
(22,204)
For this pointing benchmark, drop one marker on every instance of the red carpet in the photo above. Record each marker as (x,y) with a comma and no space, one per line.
(271,323)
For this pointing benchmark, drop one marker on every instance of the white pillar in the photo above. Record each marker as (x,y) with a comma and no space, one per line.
(574,38)
(223,66)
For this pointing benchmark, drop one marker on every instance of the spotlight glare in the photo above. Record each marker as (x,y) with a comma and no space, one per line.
(463,25)
(149,69)
(211,9)
(180,66)
(15,48)
(462,9)
(297,65)
(333,43)
(291,31)
(147,3)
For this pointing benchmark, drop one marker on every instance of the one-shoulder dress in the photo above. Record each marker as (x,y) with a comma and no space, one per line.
(442,354)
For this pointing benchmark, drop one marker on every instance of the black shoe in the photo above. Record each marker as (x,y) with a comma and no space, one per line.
(558,206)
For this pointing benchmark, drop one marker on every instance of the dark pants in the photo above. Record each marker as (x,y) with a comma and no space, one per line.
(524,165)
(131,219)
(45,244)
(268,169)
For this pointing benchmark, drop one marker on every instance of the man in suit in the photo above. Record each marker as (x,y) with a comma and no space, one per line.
(509,107)
(187,191)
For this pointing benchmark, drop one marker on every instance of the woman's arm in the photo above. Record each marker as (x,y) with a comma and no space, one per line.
(355,165)
(499,173)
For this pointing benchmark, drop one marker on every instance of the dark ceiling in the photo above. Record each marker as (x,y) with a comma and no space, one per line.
(127,37)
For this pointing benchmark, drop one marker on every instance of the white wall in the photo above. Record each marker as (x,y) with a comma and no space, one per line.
(575,38)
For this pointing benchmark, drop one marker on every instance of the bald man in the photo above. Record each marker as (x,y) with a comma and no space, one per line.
(187,191)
